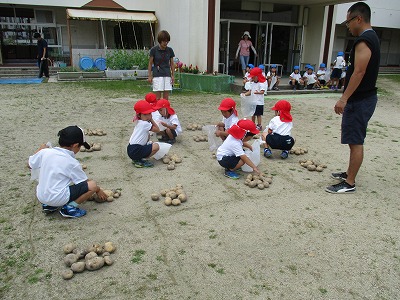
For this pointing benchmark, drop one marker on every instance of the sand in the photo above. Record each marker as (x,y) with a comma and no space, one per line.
(228,241)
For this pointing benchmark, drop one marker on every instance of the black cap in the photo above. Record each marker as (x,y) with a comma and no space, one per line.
(72,135)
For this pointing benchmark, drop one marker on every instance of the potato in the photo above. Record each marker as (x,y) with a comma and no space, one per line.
(108,260)
(109,193)
(84,167)
(89,150)
(172,195)
(68,248)
(305,150)
(171,167)
(266,184)
(252,183)
(311,167)
(179,191)
(182,197)
(78,267)
(109,247)
(105,254)
(110,199)
(67,274)
(247,181)
(82,149)
(319,169)
(249,177)
(94,263)
(178,160)
(269,180)
(168,201)
(70,258)
(297,152)
(260,186)
(166,160)
(96,147)
(79,252)
(90,255)
(164,192)
(176,202)
(155,197)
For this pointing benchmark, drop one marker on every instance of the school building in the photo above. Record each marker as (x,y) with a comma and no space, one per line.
(203,32)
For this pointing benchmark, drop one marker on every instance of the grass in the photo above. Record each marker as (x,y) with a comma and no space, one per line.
(137,256)
(395,78)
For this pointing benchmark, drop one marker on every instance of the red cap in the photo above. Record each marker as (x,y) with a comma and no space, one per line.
(257,72)
(151,98)
(284,108)
(228,104)
(163,103)
(143,107)
(239,130)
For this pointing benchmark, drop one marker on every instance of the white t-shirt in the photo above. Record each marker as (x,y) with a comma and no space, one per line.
(58,169)
(258,86)
(156,115)
(228,122)
(279,127)
(230,147)
(246,76)
(172,120)
(295,76)
(269,74)
(322,74)
(310,78)
(140,134)
(339,62)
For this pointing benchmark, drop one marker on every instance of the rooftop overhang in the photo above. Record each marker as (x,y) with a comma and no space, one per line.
(122,16)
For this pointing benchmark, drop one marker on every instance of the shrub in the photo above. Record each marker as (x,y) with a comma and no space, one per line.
(126,59)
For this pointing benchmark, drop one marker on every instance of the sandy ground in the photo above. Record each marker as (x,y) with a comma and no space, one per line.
(228,241)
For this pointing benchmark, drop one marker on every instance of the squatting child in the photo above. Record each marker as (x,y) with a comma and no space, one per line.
(62,182)
(230,154)
(229,117)
(278,133)
(257,89)
(310,79)
(273,79)
(139,146)
(169,120)
(295,78)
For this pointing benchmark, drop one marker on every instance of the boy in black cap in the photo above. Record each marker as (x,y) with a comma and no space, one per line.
(62,182)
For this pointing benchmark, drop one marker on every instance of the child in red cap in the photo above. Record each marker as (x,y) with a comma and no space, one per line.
(151,98)
(138,147)
(230,117)
(230,154)
(257,89)
(169,120)
(278,133)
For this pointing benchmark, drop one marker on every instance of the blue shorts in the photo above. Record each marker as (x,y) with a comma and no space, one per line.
(355,119)
(259,110)
(77,190)
(282,142)
(229,162)
(137,152)
(336,73)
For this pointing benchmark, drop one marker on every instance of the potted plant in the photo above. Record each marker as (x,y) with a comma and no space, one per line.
(127,64)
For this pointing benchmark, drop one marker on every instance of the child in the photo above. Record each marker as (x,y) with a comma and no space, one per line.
(161,66)
(321,75)
(295,78)
(230,117)
(246,77)
(310,79)
(151,98)
(262,67)
(339,63)
(138,147)
(273,79)
(62,182)
(342,78)
(169,120)
(230,154)
(257,89)
(278,134)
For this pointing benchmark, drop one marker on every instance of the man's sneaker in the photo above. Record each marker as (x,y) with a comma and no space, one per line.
(49,209)
(341,188)
(231,174)
(69,211)
(340,175)
(284,154)
(267,152)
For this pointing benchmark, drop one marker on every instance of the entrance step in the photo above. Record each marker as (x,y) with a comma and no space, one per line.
(23,71)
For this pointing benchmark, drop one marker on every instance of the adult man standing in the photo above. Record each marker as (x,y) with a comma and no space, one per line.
(358,102)
(43,55)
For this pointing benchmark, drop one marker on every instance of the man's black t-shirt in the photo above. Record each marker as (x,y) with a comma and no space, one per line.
(41,45)
(367,85)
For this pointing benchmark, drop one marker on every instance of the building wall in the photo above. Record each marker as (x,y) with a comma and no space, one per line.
(314,36)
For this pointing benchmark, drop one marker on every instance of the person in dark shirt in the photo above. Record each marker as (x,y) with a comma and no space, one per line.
(43,55)
(359,99)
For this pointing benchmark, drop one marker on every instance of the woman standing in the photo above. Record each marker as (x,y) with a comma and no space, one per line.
(244,50)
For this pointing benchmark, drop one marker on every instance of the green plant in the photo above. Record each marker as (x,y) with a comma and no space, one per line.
(94,69)
(126,59)
(69,69)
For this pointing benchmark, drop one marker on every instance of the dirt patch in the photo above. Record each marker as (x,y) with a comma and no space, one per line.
(228,241)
